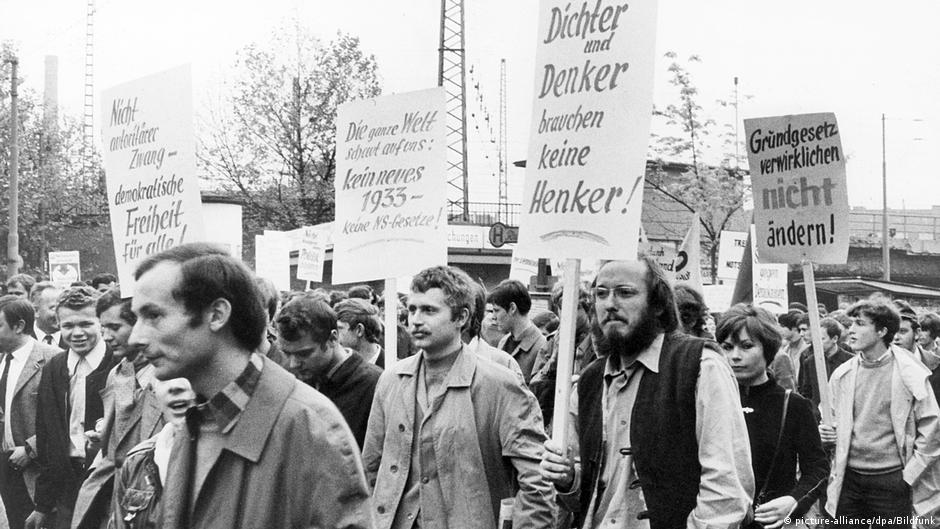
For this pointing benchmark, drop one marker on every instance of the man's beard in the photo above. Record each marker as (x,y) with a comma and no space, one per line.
(615,341)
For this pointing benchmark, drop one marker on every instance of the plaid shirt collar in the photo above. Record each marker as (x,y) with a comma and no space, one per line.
(225,408)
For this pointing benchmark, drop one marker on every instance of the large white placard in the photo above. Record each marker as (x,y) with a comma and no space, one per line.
(149,161)
(801,206)
(272,258)
(730,252)
(590,129)
(391,217)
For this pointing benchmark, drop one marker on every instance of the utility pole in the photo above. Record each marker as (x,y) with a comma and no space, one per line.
(13,237)
(885,248)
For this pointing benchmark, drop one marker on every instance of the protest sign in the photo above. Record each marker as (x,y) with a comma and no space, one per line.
(523,268)
(590,129)
(688,262)
(150,165)
(801,206)
(730,252)
(64,268)
(272,258)
(663,252)
(769,282)
(312,254)
(391,217)
(587,148)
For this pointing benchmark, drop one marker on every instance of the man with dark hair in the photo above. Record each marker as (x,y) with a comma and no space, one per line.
(244,460)
(360,329)
(929,333)
(307,334)
(45,299)
(104,282)
(834,355)
(450,434)
(362,292)
(20,285)
(470,334)
(906,336)
(786,365)
(22,362)
(658,424)
(885,427)
(132,412)
(69,404)
(523,340)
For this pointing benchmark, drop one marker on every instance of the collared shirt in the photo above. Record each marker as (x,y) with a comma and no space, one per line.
(727,480)
(526,349)
(17,361)
(41,336)
(77,395)
(222,411)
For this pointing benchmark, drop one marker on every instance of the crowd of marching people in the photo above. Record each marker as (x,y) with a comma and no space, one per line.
(211,399)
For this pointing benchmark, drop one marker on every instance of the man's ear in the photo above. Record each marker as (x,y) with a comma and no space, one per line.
(19,327)
(360,330)
(218,314)
(513,309)
(464,317)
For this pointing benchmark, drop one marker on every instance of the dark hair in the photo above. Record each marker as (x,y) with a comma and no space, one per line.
(306,313)
(269,295)
(906,312)
(25,280)
(511,291)
(358,311)
(660,295)
(336,296)
(77,298)
(454,282)
(832,327)
(103,279)
(475,321)
(796,305)
(759,324)
(585,300)
(930,323)
(209,273)
(790,320)
(15,309)
(692,309)
(546,320)
(881,314)
(113,297)
(362,292)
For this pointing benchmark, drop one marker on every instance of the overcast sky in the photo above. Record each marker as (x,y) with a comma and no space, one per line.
(857,59)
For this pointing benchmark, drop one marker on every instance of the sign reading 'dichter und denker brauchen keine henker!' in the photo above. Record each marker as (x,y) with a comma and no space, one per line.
(590,129)
(150,165)
(801,205)
(391,217)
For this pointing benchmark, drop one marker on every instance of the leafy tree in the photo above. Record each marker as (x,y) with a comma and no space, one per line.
(270,139)
(54,191)
(715,191)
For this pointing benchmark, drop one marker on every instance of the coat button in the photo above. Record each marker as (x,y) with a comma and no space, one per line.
(401,427)
(381,509)
(393,468)
(425,480)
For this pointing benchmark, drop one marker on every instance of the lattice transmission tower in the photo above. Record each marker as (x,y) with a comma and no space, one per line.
(452,76)
(503,180)
(88,121)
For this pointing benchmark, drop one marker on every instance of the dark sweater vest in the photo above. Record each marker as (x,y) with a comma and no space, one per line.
(662,433)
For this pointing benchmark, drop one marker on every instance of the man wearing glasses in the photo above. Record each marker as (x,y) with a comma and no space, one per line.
(658,423)
(308,336)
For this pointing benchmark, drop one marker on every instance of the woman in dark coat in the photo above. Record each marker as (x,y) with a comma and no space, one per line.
(749,339)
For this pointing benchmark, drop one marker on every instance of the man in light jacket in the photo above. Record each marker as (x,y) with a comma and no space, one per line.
(450,434)
(885,431)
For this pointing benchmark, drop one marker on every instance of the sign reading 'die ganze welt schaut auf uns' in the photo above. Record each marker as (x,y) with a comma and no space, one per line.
(149,161)
(391,217)
(801,205)
(590,129)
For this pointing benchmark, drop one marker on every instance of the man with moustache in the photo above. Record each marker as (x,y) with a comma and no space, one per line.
(132,412)
(23,358)
(69,404)
(657,419)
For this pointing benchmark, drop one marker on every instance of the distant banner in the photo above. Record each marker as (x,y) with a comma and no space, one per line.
(272,258)
(590,129)
(150,165)
(730,252)
(312,254)
(688,264)
(769,283)
(801,205)
(391,217)
(64,268)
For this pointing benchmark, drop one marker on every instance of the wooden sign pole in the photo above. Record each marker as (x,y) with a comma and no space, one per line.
(566,337)
(391,322)
(819,356)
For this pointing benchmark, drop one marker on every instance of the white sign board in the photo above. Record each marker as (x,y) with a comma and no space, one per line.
(312,254)
(801,206)
(64,268)
(150,164)
(272,258)
(769,283)
(730,252)
(590,129)
(391,217)
(523,268)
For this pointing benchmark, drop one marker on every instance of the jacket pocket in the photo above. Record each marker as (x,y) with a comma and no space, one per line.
(135,506)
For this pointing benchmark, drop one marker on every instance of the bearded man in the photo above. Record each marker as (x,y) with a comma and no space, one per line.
(656,419)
